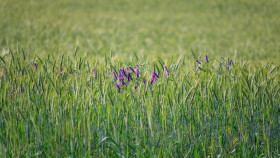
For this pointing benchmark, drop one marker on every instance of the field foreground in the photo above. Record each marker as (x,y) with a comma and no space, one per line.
(130,78)
(73,106)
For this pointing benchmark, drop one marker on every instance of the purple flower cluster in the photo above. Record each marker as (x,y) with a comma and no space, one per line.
(199,62)
(144,81)
(137,71)
(206,58)
(128,75)
(11,97)
(226,67)
(132,69)
(95,74)
(115,76)
(230,62)
(123,72)
(121,80)
(118,87)
(166,71)
(35,65)
(125,76)
(154,76)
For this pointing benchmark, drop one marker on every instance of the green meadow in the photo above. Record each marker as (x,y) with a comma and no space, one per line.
(131,78)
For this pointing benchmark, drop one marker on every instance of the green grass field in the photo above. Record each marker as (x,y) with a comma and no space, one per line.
(59,96)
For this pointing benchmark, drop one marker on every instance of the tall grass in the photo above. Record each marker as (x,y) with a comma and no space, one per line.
(48,113)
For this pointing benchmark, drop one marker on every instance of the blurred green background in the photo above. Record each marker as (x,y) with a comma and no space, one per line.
(244,28)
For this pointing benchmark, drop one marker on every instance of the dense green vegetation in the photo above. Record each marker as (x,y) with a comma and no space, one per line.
(46,112)
(248,27)
(59,96)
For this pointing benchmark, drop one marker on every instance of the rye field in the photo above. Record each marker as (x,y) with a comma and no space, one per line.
(139,78)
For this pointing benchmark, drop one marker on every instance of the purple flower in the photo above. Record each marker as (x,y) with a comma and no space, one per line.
(144,81)
(121,79)
(198,62)
(154,76)
(167,73)
(137,71)
(123,72)
(116,78)
(220,75)
(60,69)
(19,91)
(135,87)
(35,65)
(11,97)
(137,82)
(229,63)
(132,69)
(118,87)
(95,74)
(206,58)
(128,76)
(199,68)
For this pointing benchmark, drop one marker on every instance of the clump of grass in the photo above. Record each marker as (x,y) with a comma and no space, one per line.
(71,106)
